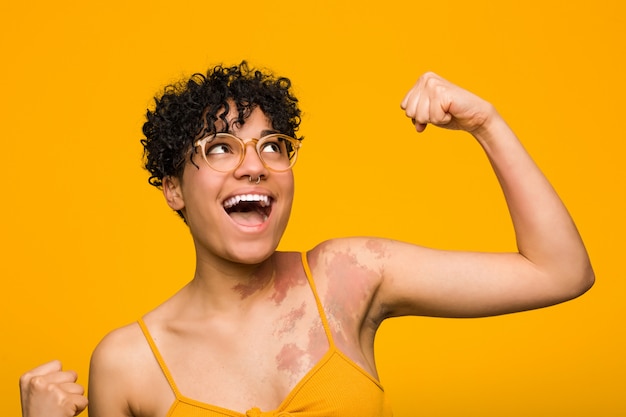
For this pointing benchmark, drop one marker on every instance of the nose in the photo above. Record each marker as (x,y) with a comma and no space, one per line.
(251,165)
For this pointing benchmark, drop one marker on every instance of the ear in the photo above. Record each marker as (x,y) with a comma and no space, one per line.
(173,193)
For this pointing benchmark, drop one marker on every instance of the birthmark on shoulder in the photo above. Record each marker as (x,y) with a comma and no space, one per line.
(349,288)
(341,263)
(378,248)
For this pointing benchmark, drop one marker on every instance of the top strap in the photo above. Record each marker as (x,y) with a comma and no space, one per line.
(320,308)
(158,357)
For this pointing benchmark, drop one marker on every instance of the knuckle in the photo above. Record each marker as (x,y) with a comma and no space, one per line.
(73,375)
(25,379)
(38,383)
(435,86)
(429,77)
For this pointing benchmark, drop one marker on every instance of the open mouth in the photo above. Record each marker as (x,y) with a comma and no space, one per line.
(249,209)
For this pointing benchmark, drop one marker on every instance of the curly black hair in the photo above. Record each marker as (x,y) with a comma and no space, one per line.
(189,109)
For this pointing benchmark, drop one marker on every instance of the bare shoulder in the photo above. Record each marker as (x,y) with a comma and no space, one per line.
(120,347)
(119,356)
(352,254)
(349,272)
(127,348)
(121,362)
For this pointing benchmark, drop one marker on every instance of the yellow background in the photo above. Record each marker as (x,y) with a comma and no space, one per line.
(88,246)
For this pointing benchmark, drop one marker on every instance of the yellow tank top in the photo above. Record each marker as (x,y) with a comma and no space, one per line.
(334,387)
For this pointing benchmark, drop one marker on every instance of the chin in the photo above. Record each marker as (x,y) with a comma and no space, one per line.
(250,255)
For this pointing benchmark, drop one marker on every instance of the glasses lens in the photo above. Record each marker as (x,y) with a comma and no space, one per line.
(277,152)
(222,152)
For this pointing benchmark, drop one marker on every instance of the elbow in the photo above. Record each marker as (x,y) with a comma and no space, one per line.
(581,281)
(588,279)
(569,282)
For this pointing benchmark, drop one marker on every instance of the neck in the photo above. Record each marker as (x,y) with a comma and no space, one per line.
(223,284)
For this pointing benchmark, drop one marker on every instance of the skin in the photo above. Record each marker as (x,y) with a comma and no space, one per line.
(243,290)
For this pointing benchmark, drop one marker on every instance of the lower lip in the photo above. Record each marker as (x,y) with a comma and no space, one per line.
(251,228)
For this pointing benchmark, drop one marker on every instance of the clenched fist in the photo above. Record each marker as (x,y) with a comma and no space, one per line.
(48,391)
(436,101)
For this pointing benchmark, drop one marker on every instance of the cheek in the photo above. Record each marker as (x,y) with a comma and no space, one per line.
(284,185)
(200,189)
(201,180)
(288,195)
(289,186)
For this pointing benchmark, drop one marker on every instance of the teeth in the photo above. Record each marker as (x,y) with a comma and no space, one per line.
(262,199)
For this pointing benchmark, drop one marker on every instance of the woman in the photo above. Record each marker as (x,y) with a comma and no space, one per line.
(258,332)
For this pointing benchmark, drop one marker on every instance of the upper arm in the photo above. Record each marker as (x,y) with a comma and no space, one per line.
(109,386)
(401,279)
(421,281)
(125,379)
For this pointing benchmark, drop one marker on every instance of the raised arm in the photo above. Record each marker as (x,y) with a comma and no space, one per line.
(551,264)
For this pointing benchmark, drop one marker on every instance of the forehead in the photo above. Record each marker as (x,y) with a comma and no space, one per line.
(254,123)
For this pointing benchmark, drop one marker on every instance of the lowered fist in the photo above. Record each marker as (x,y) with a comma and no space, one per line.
(48,391)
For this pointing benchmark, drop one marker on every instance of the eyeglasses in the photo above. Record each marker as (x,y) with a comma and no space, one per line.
(225,152)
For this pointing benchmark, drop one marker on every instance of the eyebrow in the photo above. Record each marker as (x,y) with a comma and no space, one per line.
(268,132)
(262,133)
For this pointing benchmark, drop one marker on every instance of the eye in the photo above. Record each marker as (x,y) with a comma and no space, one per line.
(273,146)
(221,145)
(218,148)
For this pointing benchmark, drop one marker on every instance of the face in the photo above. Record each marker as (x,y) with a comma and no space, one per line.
(229,214)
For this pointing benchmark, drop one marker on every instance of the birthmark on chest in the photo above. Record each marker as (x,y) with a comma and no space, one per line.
(249,288)
(287,322)
(283,284)
(290,359)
